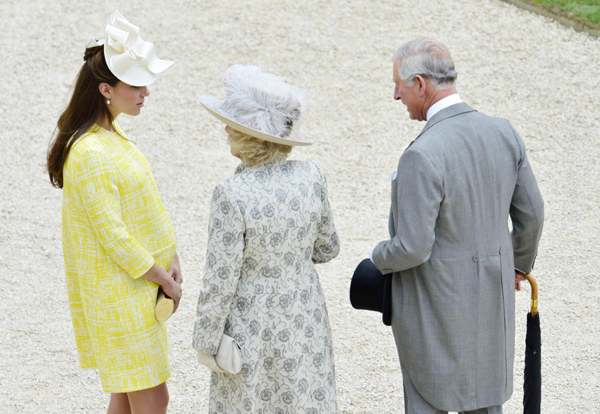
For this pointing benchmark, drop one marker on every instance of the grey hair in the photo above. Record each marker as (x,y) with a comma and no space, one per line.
(426,57)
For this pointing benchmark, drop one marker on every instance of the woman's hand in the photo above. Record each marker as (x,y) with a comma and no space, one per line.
(173,290)
(168,284)
(175,270)
(209,361)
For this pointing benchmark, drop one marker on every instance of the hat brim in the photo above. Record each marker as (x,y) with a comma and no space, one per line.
(249,131)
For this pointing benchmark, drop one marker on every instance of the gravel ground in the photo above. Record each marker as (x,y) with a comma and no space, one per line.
(511,63)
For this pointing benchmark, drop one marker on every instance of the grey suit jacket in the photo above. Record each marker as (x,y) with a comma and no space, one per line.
(453,257)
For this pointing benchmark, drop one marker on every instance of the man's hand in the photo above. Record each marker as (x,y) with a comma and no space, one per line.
(519,277)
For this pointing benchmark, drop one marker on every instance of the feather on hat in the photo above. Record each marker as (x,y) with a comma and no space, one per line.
(260,104)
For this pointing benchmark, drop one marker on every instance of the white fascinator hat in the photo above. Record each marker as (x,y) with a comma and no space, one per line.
(131,59)
(260,104)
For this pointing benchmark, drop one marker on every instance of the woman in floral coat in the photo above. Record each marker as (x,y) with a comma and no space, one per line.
(269,224)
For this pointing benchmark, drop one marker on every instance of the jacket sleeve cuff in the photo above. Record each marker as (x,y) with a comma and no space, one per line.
(139,266)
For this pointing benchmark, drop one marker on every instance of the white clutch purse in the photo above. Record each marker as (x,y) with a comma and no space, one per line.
(228,358)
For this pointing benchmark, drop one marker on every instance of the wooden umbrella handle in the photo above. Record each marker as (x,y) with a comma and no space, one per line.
(534,293)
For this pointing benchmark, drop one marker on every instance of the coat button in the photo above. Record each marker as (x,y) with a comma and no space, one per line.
(475,258)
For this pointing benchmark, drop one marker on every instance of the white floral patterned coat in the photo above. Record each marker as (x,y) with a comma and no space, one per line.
(268,226)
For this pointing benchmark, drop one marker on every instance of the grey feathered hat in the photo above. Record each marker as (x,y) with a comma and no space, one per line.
(260,104)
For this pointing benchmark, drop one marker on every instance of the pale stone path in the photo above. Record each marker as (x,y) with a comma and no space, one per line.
(511,63)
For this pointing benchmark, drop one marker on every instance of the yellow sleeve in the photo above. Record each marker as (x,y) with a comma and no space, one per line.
(96,180)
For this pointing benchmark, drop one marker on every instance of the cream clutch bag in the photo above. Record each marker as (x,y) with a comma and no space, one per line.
(164,306)
(228,358)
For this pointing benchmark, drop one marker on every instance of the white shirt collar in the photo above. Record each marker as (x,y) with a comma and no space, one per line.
(443,104)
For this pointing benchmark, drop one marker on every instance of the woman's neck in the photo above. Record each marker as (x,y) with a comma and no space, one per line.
(103,122)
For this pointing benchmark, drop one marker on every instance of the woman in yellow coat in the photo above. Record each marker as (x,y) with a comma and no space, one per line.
(118,241)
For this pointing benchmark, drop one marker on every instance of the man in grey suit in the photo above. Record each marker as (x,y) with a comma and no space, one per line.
(453,259)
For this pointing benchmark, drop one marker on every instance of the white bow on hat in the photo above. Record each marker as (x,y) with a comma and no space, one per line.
(131,59)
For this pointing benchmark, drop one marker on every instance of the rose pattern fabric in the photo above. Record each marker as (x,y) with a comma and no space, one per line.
(269,225)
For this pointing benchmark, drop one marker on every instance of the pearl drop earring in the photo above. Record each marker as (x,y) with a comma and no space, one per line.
(108,101)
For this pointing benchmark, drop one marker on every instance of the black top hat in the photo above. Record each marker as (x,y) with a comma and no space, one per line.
(371,290)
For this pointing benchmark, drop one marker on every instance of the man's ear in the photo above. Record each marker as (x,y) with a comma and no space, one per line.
(105,89)
(422,85)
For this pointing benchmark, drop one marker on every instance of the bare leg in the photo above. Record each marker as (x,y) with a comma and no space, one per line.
(119,404)
(149,401)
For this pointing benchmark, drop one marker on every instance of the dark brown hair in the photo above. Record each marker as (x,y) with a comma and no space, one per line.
(87,105)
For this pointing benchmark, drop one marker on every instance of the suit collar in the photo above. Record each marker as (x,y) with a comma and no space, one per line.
(443,104)
(449,112)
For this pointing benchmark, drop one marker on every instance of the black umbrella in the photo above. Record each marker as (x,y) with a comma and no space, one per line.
(532,383)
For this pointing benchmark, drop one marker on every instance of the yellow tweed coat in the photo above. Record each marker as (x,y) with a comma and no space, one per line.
(114,228)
